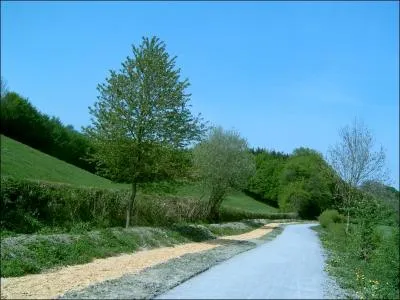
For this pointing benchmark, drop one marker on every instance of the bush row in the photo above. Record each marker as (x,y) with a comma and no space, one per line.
(232,215)
(29,206)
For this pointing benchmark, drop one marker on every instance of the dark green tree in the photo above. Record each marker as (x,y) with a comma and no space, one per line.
(264,185)
(142,120)
(307,184)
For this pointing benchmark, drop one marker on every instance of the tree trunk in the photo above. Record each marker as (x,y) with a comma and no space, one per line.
(214,204)
(348,222)
(130,205)
(213,212)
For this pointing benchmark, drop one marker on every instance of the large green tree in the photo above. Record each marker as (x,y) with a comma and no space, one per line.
(222,161)
(142,119)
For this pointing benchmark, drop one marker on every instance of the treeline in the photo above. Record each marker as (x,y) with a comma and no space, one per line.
(302,181)
(21,121)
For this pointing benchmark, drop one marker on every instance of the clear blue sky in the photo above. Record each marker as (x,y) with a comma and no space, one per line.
(284,74)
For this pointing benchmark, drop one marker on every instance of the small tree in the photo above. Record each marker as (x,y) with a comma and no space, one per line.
(356,162)
(222,161)
(141,119)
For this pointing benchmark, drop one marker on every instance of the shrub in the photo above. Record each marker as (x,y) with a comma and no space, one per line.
(196,233)
(329,216)
(232,215)
(167,209)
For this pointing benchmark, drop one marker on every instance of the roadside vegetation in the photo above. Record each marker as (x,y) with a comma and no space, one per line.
(28,254)
(362,241)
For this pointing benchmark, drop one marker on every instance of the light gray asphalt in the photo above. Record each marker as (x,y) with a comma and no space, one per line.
(291,266)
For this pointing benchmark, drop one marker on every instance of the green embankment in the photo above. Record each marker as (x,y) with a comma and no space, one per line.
(29,254)
(23,162)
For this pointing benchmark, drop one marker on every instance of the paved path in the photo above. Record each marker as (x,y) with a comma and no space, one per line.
(291,266)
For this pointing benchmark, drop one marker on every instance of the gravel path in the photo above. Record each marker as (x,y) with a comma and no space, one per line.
(291,266)
(74,278)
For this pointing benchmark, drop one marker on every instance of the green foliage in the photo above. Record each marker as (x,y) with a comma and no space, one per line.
(27,206)
(21,121)
(31,206)
(241,204)
(230,214)
(330,216)
(307,184)
(141,120)
(222,162)
(22,162)
(168,209)
(387,196)
(375,278)
(265,183)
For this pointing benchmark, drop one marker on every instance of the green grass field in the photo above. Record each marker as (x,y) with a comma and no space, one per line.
(23,162)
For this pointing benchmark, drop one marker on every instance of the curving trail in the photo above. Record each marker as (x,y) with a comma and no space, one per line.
(291,266)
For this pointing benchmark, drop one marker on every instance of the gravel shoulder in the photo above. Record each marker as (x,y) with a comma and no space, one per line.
(72,279)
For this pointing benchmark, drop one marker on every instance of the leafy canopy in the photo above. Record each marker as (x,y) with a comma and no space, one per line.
(223,160)
(142,117)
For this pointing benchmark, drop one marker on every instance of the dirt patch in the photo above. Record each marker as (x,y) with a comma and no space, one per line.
(54,284)
(255,234)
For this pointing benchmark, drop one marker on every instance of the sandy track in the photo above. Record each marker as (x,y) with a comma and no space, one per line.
(53,284)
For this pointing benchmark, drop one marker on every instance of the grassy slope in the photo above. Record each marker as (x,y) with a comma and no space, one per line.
(23,162)
(235,199)
(241,201)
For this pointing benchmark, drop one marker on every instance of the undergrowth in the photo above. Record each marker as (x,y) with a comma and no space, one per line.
(375,277)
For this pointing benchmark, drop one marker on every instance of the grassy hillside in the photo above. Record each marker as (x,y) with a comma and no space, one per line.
(23,162)
(241,201)
(235,199)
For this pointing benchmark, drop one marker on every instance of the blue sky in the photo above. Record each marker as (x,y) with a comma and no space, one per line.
(284,74)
